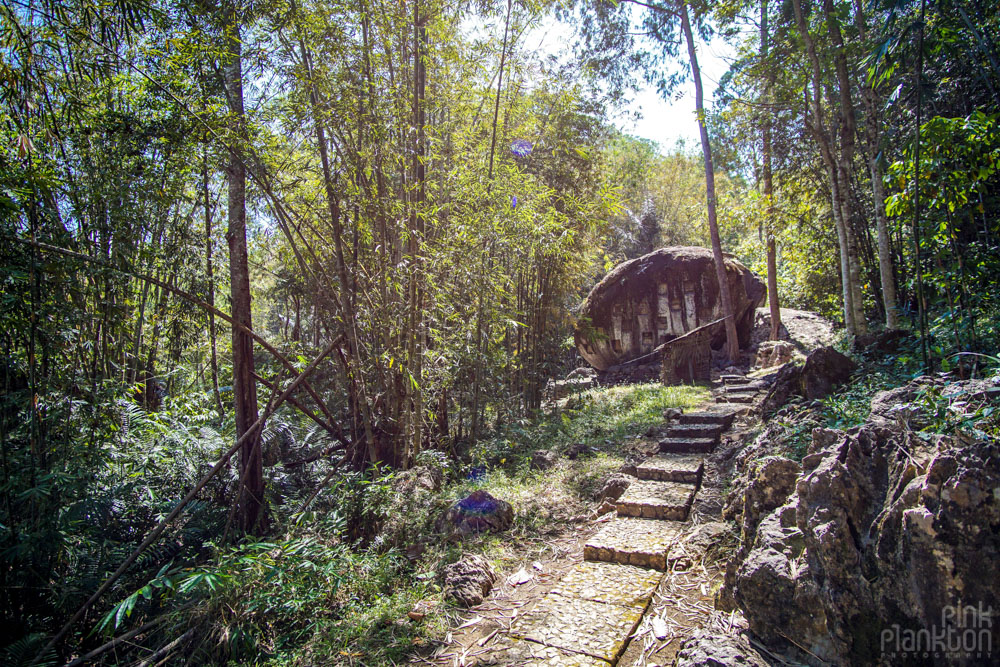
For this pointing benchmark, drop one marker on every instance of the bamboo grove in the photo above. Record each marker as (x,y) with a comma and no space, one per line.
(370,221)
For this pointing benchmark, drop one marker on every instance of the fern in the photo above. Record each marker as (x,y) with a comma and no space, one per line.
(24,650)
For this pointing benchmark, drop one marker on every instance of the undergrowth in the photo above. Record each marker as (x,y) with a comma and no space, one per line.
(334,585)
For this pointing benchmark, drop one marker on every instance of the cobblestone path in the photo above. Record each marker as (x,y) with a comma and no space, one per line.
(587,618)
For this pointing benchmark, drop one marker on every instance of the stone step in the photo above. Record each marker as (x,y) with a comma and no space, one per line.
(735,398)
(724,419)
(670,501)
(610,583)
(639,542)
(687,445)
(596,629)
(527,653)
(734,379)
(702,430)
(683,468)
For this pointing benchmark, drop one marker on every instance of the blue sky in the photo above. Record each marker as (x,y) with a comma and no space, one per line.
(664,122)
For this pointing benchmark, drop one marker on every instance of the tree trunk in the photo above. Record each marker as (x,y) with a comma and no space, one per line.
(772,261)
(244,386)
(826,145)
(873,140)
(210,277)
(848,129)
(732,340)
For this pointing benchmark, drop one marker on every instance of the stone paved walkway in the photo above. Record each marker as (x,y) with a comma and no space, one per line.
(588,617)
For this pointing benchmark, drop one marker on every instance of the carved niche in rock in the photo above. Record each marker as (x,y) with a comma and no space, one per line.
(650,300)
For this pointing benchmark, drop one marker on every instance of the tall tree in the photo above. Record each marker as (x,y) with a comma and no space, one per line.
(251,492)
(768,179)
(725,296)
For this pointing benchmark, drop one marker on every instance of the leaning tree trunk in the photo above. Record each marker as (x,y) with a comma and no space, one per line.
(732,339)
(244,386)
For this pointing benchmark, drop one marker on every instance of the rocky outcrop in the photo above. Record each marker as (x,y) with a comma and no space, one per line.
(712,649)
(888,532)
(478,512)
(650,300)
(468,581)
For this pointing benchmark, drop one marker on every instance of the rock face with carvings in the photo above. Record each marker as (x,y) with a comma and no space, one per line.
(650,300)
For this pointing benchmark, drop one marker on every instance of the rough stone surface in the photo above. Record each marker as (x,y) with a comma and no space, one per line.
(687,445)
(884,529)
(614,486)
(672,413)
(773,353)
(688,358)
(420,477)
(721,416)
(597,629)
(611,583)
(640,542)
(881,342)
(772,482)
(543,459)
(476,513)
(650,300)
(710,431)
(510,651)
(824,370)
(713,649)
(657,500)
(468,581)
(685,468)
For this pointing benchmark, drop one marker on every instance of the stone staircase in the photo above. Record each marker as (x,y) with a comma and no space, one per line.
(588,618)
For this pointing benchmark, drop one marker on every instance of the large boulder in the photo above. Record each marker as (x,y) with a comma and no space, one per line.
(825,369)
(478,512)
(653,299)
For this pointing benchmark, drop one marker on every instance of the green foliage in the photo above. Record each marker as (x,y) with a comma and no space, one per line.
(598,418)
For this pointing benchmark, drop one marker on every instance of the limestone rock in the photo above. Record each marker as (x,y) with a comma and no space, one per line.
(712,649)
(419,477)
(468,581)
(476,513)
(543,459)
(578,449)
(652,299)
(672,413)
(882,342)
(824,370)
(769,488)
(772,353)
(614,487)
(885,532)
